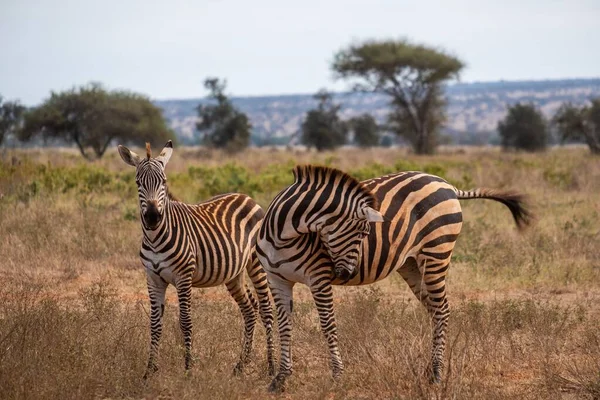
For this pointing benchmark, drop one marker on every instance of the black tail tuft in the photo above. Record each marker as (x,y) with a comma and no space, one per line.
(516,202)
(518,205)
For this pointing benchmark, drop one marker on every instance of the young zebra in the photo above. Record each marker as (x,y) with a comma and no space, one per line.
(317,232)
(202,245)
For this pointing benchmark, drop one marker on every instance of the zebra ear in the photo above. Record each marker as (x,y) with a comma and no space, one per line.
(373,215)
(165,154)
(129,156)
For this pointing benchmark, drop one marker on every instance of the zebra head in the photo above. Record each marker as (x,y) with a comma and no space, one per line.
(343,238)
(151,181)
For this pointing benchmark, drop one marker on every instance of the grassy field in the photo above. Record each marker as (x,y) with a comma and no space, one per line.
(74,313)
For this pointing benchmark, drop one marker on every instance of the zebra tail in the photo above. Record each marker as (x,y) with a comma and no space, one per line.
(516,202)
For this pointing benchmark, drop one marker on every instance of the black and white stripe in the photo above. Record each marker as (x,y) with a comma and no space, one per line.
(325,230)
(200,245)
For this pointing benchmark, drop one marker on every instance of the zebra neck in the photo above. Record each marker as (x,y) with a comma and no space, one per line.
(305,223)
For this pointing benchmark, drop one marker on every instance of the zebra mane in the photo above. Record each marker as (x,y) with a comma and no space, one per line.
(307,173)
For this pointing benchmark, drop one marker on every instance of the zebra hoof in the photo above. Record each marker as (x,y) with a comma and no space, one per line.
(238,369)
(275,387)
(277,384)
(149,371)
(435,378)
(337,375)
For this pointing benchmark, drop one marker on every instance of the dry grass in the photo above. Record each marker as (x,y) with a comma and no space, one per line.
(74,324)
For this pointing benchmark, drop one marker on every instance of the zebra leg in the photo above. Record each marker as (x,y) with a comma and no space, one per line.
(258,276)
(414,278)
(238,290)
(283,292)
(440,312)
(184,295)
(157,289)
(428,283)
(323,297)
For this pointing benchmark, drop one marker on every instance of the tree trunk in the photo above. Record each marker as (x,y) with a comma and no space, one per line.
(422,143)
(100,150)
(80,146)
(593,140)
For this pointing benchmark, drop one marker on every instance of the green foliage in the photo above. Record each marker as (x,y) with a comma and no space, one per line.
(11,114)
(412,76)
(523,128)
(371,171)
(366,130)
(29,180)
(91,116)
(232,177)
(223,125)
(131,213)
(434,169)
(375,169)
(406,165)
(580,123)
(322,127)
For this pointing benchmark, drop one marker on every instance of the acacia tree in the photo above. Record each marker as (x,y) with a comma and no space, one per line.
(223,125)
(412,75)
(11,114)
(92,117)
(523,128)
(322,127)
(580,123)
(366,130)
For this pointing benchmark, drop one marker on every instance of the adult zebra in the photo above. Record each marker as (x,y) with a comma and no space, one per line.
(201,245)
(317,232)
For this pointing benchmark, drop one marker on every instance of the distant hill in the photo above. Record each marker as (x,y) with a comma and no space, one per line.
(473,108)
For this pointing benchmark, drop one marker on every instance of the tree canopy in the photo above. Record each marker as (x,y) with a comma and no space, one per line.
(412,75)
(523,128)
(322,128)
(11,113)
(92,117)
(366,130)
(580,123)
(224,126)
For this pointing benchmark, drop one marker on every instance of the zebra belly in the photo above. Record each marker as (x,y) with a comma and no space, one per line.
(369,274)
(205,277)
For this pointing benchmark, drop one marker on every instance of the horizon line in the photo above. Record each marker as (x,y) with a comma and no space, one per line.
(459,83)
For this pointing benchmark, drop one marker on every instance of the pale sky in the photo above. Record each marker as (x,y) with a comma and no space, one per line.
(165,49)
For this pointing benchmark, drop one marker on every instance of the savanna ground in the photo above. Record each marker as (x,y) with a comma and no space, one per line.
(74,309)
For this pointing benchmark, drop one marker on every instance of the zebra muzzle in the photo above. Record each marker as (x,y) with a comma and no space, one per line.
(152,216)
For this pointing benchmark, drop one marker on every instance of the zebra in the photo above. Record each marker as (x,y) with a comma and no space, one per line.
(328,229)
(201,245)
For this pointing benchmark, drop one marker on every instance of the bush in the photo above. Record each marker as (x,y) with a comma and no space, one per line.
(523,128)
